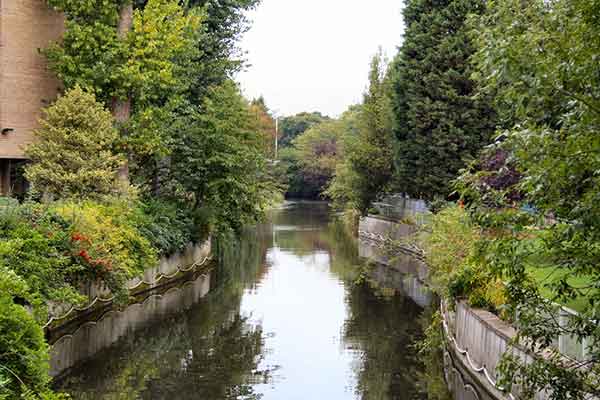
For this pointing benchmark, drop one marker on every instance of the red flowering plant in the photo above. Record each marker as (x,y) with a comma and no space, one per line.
(98,265)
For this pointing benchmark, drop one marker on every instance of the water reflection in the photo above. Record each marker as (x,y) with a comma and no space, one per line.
(285,319)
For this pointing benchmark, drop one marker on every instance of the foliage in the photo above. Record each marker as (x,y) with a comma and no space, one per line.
(73,153)
(265,126)
(23,360)
(170,225)
(217,161)
(107,237)
(23,349)
(451,248)
(36,246)
(220,57)
(293,126)
(440,118)
(430,350)
(151,64)
(493,179)
(367,167)
(538,59)
(313,158)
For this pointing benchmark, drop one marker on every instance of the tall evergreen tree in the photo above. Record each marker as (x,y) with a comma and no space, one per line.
(439,120)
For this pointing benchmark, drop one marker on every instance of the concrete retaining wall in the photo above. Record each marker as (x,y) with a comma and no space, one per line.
(477,342)
(477,339)
(94,336)
(378,229)
(167,266)
(153,277)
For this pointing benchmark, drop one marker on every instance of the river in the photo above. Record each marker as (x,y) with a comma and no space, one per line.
(291,313)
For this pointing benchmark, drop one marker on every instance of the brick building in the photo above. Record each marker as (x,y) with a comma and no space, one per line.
(26,85)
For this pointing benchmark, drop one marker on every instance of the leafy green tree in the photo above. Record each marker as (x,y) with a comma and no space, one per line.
(134,68)
(293,126)
(367,167)
(439,120)
(220,57)
(73,153)
(265,126)
(539,59)
(313,158)
(217,160)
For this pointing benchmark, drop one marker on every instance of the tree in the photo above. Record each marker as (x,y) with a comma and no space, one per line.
(136,64)
(73,154)
(220,58)
(217,160)
(367,167)
(539,59)
(293,126)
(313,158)
(265,126)
(439,120)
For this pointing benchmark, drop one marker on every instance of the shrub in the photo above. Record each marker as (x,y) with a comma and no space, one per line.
(449,245)
(34,243)
(73,153)
(23,349)
(456,271)
(107,238)
(170,225)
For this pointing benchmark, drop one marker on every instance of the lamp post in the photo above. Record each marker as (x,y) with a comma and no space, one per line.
(275,114)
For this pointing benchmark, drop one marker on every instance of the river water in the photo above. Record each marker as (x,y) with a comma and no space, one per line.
(292,313)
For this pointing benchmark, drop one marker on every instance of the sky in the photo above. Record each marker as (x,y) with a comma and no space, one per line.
(314,55)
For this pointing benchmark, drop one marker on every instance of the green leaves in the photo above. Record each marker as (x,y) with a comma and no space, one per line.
(73,155)
(439,122)
(367,167)
(217,161)
(539,60)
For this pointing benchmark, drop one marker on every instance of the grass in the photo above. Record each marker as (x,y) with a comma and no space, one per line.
(548,275)
(545,274)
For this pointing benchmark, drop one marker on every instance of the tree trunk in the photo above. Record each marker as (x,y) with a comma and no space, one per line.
(121,108)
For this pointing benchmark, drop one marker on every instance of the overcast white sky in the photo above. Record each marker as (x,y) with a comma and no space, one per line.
(313,55)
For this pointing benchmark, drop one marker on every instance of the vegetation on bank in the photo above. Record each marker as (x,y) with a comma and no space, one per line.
(150,147)
(495,103)
(526,238)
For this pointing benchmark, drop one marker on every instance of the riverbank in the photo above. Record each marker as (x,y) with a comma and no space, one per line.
(173,268)
(288,289)
(476,340)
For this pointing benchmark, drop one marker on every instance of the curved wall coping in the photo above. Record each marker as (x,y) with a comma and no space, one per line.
(168,268)
(481,339)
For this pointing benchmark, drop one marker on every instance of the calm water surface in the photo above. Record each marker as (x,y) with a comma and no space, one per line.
(291,314)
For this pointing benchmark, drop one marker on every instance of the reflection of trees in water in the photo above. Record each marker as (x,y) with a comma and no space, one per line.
(213,352)
(432,378)
(208,352)
(382,325)
(383,331)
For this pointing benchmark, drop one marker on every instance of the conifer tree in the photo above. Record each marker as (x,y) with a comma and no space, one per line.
(73,155)
(439,120)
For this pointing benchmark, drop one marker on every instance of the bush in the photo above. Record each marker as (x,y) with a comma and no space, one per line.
(170,226)
(34,243)
(456,271)
(449,245)
(23,349)
(73,153)
(107,237)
